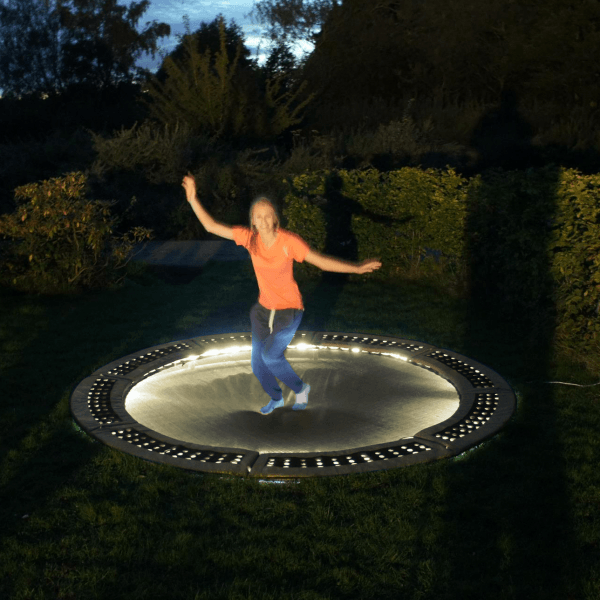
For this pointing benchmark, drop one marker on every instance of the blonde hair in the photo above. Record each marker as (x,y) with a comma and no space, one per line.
(255,202)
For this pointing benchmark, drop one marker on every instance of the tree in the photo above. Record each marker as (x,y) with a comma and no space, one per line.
(281,60)
(47,46)
(29,46)
(292,20)
(562,54)
(366,48)
(213,95)
(102,42)
(281,64)
(208,38)
(457,50)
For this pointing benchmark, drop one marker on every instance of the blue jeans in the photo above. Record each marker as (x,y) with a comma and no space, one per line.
(268,361)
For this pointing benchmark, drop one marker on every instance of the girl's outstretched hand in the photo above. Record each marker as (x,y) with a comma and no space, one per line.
(368,266)
(189,185)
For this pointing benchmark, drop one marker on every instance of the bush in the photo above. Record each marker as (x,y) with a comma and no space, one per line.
(60,241)
(413,219)
(161,153)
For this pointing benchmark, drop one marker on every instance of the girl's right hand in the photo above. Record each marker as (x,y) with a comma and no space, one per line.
(189,185)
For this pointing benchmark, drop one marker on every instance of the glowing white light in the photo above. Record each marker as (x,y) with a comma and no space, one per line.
(404,358)
(237,349)
(301,346)
(192,357)
(226,351)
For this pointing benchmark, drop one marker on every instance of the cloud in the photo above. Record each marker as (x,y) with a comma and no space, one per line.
(172,11)
(198,11)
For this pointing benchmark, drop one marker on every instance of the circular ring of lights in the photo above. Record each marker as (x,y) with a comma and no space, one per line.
(485,403)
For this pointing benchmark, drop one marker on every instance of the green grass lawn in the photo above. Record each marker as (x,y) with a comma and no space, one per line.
(517,517)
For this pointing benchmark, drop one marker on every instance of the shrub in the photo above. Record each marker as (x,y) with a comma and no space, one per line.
(161,153)
(60,241)
(413,219)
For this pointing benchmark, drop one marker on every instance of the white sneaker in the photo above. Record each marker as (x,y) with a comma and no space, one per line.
(269,408)
(302,398)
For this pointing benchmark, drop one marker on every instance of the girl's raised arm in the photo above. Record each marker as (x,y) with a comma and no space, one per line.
(212,226)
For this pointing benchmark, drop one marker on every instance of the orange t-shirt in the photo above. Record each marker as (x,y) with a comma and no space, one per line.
(274,267)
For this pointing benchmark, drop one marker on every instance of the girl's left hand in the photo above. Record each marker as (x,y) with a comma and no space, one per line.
(368,266)
(189,185)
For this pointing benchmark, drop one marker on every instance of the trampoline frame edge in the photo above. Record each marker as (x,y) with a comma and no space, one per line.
(134,367)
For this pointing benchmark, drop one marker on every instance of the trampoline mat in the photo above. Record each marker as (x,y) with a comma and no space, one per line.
(355,400)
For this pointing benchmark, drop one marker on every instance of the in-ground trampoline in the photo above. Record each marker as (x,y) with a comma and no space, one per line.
(376,402)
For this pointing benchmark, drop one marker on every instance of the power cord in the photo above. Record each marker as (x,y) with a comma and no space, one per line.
(565,383)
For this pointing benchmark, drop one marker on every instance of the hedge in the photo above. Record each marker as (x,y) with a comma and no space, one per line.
(523,241)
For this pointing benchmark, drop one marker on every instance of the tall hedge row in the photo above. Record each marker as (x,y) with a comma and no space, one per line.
(576,253)
(523,241)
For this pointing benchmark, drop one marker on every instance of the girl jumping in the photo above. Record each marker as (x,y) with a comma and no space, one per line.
(277,314)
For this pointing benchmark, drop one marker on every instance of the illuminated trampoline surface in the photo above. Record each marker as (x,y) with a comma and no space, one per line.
(376,402)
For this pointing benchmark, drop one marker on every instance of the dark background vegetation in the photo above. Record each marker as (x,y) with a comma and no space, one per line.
(444,82)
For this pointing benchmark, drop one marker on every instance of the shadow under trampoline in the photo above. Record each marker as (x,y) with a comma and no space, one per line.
(376,402)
